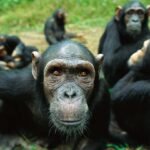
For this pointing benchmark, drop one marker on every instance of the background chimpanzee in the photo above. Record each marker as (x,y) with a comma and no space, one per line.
(22,55)
(124,34)
(66,101)
(7,45)
(130,97)
(14,53)
(54,28)
(9,42)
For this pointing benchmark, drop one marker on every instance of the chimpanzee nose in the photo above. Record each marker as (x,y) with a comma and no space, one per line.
(135,18)
(70,94)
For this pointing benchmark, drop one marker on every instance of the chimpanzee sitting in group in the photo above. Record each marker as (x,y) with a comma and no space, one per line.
(22,55)
(131,95)
(14,53)
(7,45)
(54,28)
(64,99)
(124,35)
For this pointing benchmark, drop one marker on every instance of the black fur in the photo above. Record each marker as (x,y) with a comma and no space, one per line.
(54,28)
(130,99)
(26,108)
(117,45)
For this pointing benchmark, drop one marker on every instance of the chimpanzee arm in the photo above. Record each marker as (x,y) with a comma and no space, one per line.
(50,37)
(115,65)
(136,84)
(110,38)
(129,91)
(49,33)
(69,35)
(101,42)
(14,83)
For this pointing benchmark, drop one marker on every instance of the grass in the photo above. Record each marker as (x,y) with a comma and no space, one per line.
(30,15)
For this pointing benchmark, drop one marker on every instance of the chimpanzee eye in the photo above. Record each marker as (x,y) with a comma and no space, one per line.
(83,73)
(140,12)
(130,12)
(56,71)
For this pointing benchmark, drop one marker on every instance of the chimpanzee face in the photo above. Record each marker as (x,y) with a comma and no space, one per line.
(60,16)
(134,17)
(68,83)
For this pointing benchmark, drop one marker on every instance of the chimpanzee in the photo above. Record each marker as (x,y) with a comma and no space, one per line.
(5,60)
(7,46)
(54,28)
(130,97)
(22,55)
(14,53)
(9,42)
(67,101)
(124,34)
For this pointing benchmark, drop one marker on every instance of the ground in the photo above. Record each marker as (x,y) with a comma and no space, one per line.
(90,38)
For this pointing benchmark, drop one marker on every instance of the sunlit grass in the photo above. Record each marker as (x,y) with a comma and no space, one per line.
(26,15)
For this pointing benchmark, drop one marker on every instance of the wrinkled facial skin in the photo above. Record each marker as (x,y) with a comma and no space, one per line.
(134,17)
(68,84)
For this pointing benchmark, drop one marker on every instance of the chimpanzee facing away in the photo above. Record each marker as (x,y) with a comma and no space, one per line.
(67,101)
(14,53)
(7,45)
(9,42)
(124,34)
(54,28)
(130,97)
(22,55)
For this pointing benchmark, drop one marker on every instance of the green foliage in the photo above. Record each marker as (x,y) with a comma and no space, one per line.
(123,147)
(23,15)
(7,4)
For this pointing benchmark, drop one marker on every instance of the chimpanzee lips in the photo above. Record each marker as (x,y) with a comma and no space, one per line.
(70,122)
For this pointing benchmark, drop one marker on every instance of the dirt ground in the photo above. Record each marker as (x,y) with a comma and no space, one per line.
(90,38)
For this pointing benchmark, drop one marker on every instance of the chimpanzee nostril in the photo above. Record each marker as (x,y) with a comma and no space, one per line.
(66,95)
(135,20)
(70,94)
(74,95)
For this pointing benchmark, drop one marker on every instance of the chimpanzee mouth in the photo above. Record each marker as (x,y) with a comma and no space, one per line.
(134,31)
(70,127)
(70,122)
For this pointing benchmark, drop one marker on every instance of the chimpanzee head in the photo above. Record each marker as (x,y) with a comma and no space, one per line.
(133,17)
(60,16)
(66,72)
(22,55)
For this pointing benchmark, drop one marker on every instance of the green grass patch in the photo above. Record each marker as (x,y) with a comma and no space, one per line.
(26,15)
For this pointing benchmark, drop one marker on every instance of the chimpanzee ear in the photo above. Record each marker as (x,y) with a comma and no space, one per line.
(99,59)
(35,61)
(148,10)
(118,12)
